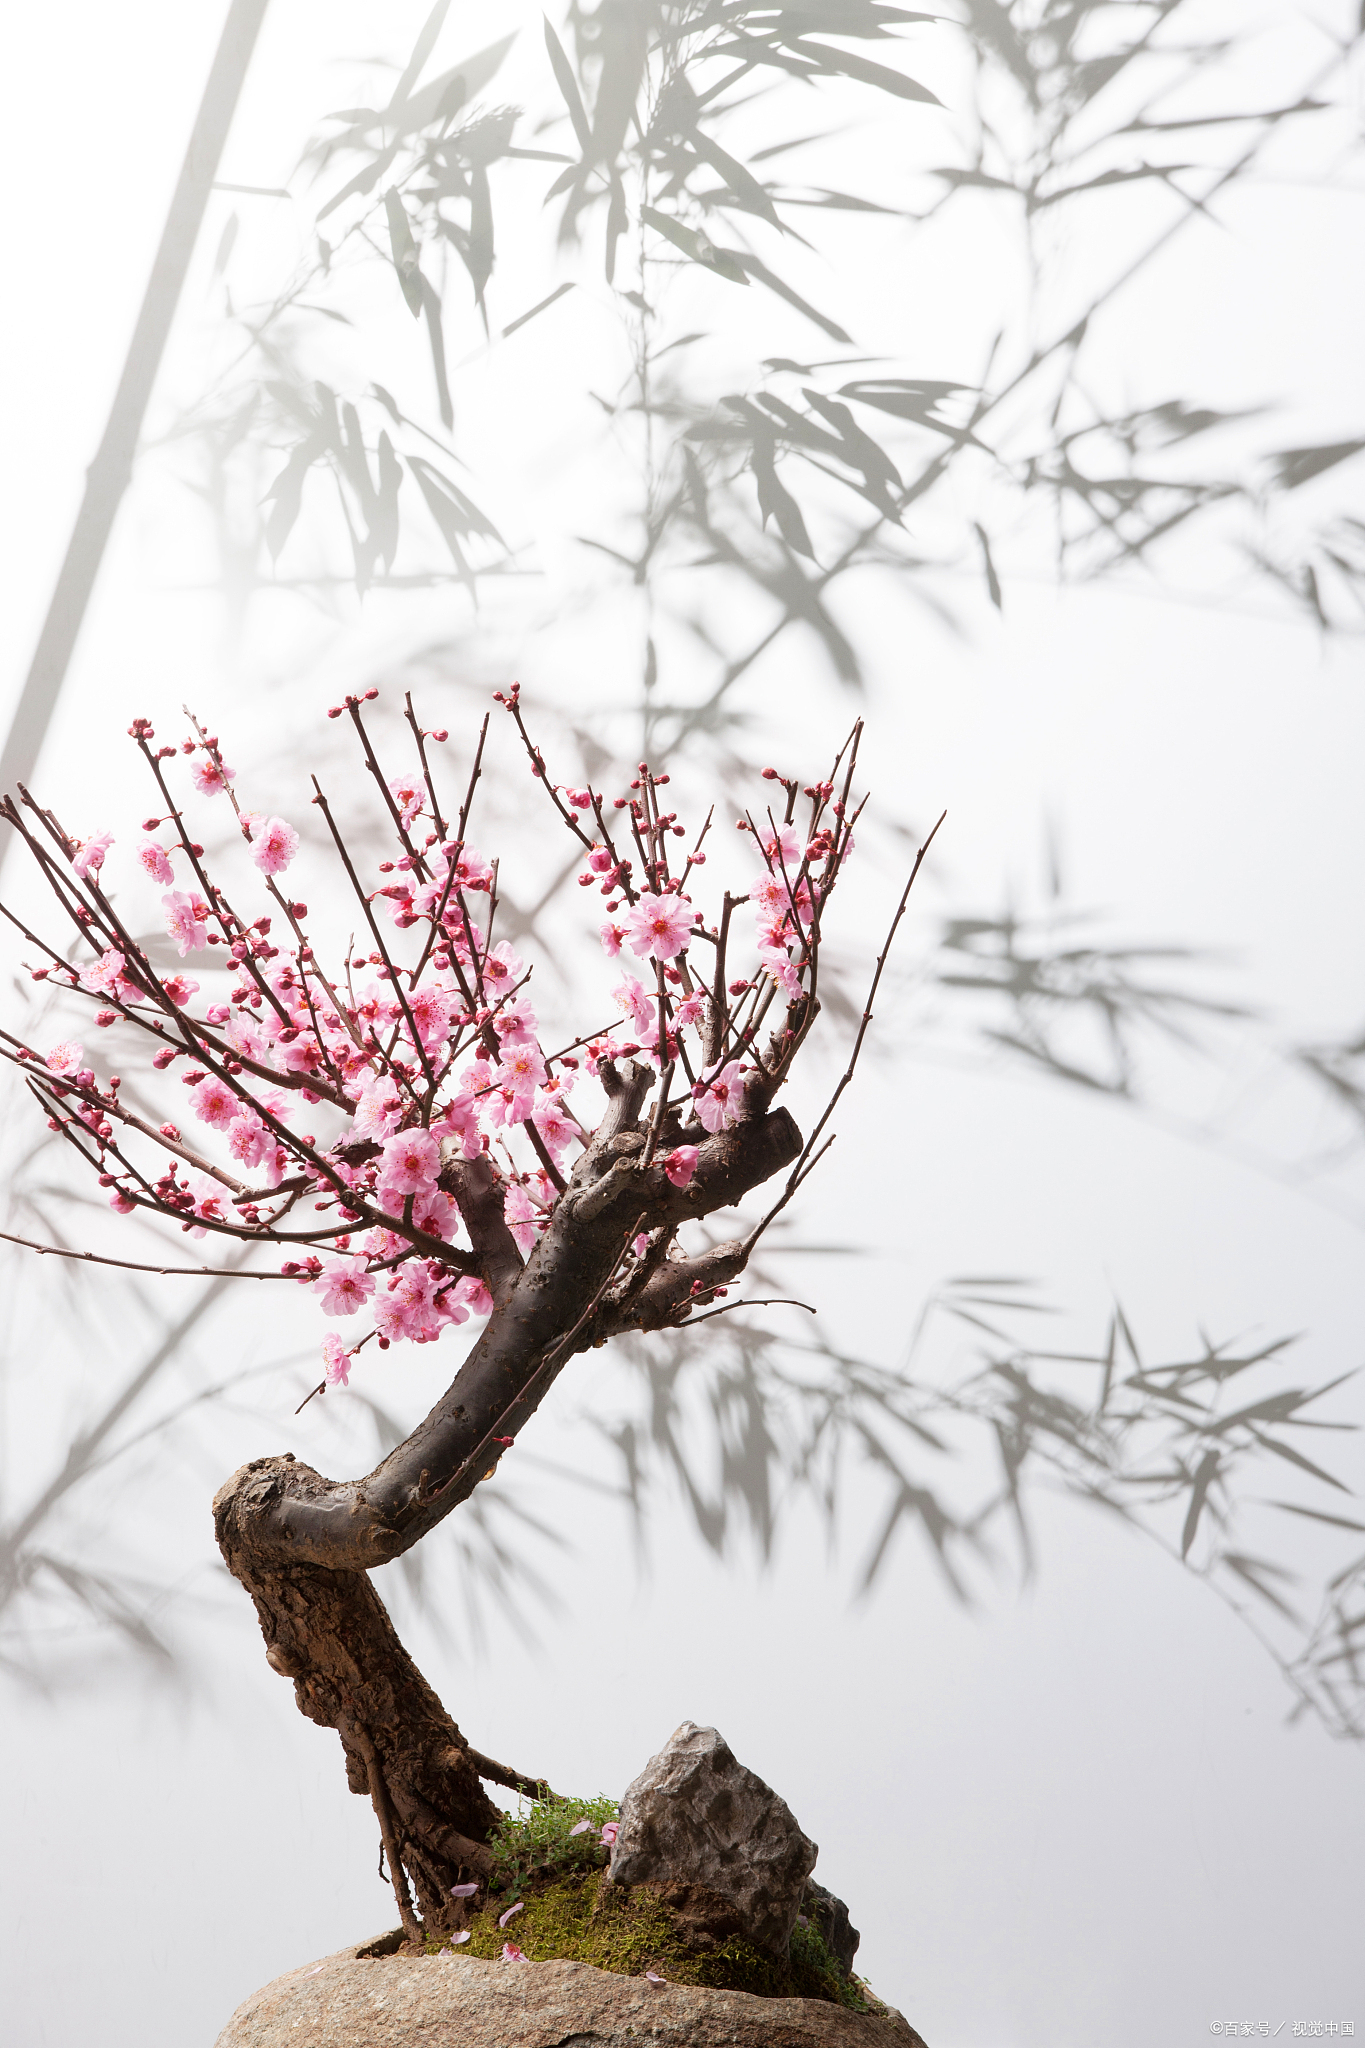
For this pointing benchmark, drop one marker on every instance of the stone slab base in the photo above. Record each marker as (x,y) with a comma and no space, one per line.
(356,2001)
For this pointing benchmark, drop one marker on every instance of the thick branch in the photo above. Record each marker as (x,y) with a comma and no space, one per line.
(297,1515)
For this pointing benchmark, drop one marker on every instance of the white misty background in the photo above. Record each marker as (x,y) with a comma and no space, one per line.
(1071,1812)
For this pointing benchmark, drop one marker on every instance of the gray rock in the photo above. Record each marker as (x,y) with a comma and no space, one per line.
(830,1916)
(399,2001)
(696,1817)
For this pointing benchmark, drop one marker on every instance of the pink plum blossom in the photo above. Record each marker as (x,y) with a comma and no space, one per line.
(411,1161)
(556,1127)
(681,1164)
(659,927)
(432,1009)
(783,969)
(612,935)
(689,1011)
(631,1000)
(782,848)
(186,921)
(460,1119)
(516,1020)
(472,1293)
(610,1830)
(344,1287)
(88,858)
(435,1212)
(502,968)
(511,1953)
(156,861)
(409,793)
(522,1071)
(180,987)
(720,1097)
(378,1109)
(471,870)
(210,1200)
(336,1360)
(250,1141)
(107,973)
(65,1058)
(209,776)
(522,1219)
(409,1311)
(213,1102)
(274,846)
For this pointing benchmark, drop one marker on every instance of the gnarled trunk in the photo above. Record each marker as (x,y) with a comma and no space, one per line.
(330,1632)
(300,1543)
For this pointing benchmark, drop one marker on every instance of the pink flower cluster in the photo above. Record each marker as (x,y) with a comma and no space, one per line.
(419,1059)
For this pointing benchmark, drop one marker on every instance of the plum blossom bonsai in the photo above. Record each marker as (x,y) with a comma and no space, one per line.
(394,1126)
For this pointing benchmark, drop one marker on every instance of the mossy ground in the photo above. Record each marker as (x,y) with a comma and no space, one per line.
(580,1916)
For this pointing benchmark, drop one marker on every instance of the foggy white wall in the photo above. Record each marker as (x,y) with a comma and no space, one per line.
(1075,1817)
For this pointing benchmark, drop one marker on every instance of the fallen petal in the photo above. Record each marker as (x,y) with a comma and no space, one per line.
(580,1827)
(456,1939)
(463,1891)
(503,1918)
(654,1977)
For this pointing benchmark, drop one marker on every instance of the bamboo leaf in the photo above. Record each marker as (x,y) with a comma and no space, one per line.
(1199,1493)
(540,307)
(752,265)
(1295,466)
(384,530)
(617,221)
(431,306)
(456,515)
(824,57)
(568,85)
(776,502)
(740,180)
(992,580)
(694,245)
(1293,1457)
(287,492)
(479,261)
(404,249)
(1316,1515)
(421,50)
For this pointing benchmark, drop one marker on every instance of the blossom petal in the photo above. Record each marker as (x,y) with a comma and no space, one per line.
(503,1918)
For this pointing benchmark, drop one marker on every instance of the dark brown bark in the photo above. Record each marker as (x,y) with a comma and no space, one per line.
(330,1633)
(300,1543)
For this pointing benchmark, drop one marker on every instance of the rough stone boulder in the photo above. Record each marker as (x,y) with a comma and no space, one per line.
(399,2001)
(698,1823)
(829,1916)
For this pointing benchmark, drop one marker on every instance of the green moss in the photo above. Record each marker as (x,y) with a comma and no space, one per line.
(537,1842)
(581,1917)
